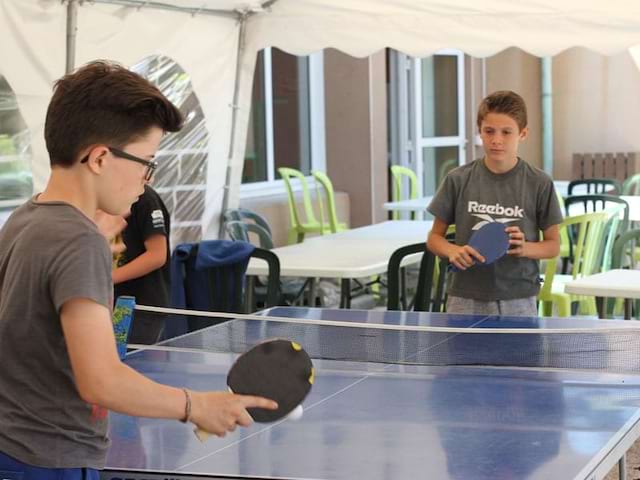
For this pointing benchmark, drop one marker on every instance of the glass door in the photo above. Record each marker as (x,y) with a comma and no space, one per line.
(427,115)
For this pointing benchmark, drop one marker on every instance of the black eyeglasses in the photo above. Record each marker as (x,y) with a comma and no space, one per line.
(151,166)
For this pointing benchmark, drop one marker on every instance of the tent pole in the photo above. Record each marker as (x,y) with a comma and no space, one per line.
(139,4)
(236,87)
(547,115)
(242,18)
(72,28)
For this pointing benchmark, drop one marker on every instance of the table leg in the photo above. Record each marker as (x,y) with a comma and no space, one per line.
(622,467)
(249,305)
(312,292)
(403,288)
(345,293)
(600,306)
(627,308)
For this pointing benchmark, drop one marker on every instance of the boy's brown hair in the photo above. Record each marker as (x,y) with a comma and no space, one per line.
(103,102)
(505,102)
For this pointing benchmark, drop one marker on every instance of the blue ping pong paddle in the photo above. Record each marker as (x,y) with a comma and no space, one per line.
(277,369)
(491,241)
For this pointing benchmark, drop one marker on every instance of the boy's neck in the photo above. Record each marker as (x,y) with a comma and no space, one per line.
(69,186)
(500,167)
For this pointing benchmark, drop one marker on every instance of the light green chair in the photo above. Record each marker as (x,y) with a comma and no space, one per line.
(586,261)
(399,173)
(614,228)
(565,241)
(323,181)
(631,185)
(300,228)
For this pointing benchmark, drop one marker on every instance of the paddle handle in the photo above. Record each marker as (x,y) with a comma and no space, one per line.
(202,435)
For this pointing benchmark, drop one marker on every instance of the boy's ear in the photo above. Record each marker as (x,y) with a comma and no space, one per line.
(524,133)
(96,157)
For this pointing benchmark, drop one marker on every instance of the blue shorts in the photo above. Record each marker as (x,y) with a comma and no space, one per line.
(12,469)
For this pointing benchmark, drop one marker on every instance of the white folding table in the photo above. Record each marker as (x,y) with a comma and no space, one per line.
(617,283)
(357,253)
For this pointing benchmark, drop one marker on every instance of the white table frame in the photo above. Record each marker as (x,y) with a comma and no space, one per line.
(357,253)
(616,283)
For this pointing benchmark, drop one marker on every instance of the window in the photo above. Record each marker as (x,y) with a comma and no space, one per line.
(181,177)
(286,124)
(16,183)
(427,115)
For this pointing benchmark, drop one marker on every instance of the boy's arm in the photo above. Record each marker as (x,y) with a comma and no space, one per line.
(102,379)
(152,259)
(548,247)
(462,257)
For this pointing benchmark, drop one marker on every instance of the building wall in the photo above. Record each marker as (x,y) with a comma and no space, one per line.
(596,106)
(275,209)
(356,132)
(516,70)
(596,102)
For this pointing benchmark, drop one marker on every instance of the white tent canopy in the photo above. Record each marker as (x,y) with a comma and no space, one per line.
(203,37)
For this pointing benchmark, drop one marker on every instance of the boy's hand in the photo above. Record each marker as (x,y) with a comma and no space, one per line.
(516,241)
(220,412)
(464,257)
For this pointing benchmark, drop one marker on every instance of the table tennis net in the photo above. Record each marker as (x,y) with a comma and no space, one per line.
(606,349)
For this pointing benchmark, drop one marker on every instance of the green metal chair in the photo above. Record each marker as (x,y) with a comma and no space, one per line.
(430,293)
(631,185)
(622,249)
(623,256)
(600,203)
(323,181)
(590,229)
(300,228)
(239,222)
(609,186)
(399,173)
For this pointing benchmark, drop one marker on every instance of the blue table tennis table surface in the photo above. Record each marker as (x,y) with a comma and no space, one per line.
(393,421)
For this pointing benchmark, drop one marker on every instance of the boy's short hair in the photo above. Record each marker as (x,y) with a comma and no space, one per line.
(103,102)
(505,102)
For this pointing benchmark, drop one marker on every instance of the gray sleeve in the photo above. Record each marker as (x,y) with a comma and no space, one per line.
(548,209)
(82,270)
(443,205)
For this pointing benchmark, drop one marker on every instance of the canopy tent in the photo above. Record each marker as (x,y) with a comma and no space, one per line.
(216,43)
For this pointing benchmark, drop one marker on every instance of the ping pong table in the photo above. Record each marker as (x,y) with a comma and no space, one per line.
(392,419)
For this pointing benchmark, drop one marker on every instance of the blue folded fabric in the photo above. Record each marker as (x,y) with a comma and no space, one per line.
(192,266)
(219,253)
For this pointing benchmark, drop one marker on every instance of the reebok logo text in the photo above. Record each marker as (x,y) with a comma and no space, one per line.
(497,209)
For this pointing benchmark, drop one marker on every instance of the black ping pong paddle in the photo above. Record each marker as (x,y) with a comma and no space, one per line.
(491,241)
(276,369)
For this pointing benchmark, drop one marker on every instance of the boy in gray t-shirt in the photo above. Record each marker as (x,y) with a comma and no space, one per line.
(61,372)
(503,188)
